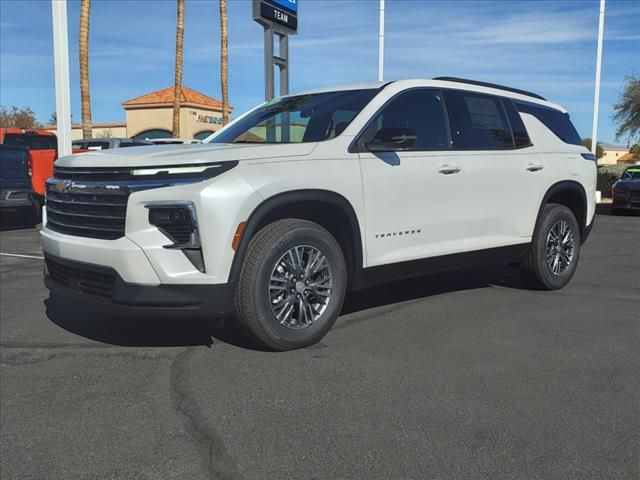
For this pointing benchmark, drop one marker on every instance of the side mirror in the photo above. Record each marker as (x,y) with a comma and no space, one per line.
(391,139)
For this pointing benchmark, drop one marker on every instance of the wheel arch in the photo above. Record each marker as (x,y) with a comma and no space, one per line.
(570,194)
(327,208)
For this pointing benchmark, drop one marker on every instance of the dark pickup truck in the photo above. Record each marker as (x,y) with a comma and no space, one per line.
(16,192)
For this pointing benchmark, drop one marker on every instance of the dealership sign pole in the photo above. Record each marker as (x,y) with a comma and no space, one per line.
(279,18)
(596,99)
(61,66)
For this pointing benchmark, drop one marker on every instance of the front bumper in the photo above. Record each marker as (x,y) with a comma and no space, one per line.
(626,203)
(104,287)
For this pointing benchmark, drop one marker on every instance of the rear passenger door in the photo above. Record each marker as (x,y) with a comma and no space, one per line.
(413,206)
(502,171)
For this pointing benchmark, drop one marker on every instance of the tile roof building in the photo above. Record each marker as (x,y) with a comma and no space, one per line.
(151,115)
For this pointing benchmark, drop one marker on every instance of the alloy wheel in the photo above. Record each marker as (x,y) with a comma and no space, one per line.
(300,287)
(560,247)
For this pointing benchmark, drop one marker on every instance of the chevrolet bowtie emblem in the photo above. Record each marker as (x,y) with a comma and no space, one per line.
(63,186)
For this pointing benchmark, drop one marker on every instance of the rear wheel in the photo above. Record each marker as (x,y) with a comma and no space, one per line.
(292,284)
(555,248)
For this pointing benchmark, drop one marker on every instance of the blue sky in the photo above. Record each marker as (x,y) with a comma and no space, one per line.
(544,46)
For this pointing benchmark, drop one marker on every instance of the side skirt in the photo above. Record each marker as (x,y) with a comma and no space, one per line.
(380,274)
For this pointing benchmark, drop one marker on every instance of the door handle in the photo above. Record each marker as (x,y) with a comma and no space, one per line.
(534,167)
(448,169)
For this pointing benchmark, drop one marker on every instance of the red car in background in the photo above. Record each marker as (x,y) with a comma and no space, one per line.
(43,151)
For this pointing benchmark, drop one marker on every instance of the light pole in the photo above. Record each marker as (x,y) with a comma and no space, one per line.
(61,66)
(381,44)
(596,98)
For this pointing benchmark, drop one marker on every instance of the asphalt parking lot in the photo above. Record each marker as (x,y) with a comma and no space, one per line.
(464,375)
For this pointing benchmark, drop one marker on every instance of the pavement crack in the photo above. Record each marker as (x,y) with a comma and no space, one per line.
(217,461)
(28,356)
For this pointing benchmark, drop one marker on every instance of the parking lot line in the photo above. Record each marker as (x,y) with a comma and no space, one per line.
(21,256)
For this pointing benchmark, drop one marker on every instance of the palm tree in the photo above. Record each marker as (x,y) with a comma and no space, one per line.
(83,47)
(177,92)
(224,61)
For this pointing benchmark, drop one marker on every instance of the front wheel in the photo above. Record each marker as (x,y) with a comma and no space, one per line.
(555,248)
(292,284)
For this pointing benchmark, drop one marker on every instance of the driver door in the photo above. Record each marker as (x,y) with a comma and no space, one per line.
(414,197)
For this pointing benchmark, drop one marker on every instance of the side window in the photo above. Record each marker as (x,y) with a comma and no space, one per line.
(520,135)
(421,110)
(45,142)
(478,122)
(556,121)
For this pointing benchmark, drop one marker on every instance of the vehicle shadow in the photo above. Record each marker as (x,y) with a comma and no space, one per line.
(603,209)
(435,284)
(85,319)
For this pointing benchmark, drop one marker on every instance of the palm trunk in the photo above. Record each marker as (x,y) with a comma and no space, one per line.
(224,61)
(178,79)
(83,47)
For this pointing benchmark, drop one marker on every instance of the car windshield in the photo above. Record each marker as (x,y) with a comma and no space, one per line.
(298,119)
(631,174)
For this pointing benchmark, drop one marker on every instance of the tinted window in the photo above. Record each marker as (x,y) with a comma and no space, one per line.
(14,163)
(478,122)
(631,174)
(301,118)
(520,135)
(79,145)
(33,142)
(132,144)
(556,121)
(420,110)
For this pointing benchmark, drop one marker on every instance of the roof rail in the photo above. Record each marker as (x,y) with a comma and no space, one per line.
(490,85)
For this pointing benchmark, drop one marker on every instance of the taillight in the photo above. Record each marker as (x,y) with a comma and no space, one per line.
(29,166)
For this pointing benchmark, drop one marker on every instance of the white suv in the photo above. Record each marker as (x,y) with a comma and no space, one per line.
(308,196)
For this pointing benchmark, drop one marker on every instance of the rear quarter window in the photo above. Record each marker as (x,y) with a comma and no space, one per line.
(555,120)
(478,122)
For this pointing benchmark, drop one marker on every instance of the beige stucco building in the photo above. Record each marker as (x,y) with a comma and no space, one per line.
(612,154)
(151,116)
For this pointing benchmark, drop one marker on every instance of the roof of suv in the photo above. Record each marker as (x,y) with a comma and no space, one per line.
(450,82)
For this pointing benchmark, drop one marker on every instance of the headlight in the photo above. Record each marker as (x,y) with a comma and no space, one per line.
(198,171)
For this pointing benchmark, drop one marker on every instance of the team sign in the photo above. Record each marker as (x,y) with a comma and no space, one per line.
(282,13)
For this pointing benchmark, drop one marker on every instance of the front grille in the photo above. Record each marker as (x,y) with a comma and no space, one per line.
(91,280)
(92,202)
(634,194)
(87,212)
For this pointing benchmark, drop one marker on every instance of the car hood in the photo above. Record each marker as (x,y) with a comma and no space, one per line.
(161,155)
(630,184)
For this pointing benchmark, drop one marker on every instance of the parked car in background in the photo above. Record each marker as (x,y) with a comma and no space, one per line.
(626,191)
(173,141)
(16,192)
(43,151)
(107,143)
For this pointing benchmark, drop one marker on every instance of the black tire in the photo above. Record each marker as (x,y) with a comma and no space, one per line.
(253,308)
(539,271)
